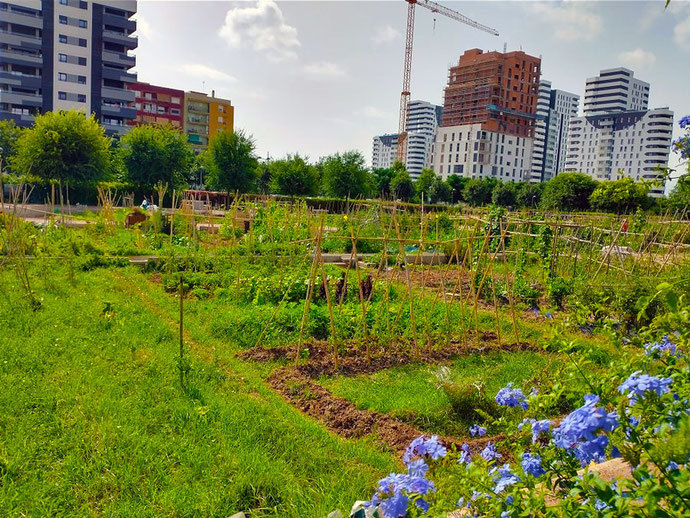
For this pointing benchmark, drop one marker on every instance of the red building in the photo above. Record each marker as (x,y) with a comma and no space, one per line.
(157,104)
(495,89)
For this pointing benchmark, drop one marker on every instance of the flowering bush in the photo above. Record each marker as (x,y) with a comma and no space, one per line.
(637,411)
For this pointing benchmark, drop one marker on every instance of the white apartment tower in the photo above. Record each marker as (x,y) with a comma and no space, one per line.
(384,151)
(618,136)
(67,54)
(614,90)
(422,120)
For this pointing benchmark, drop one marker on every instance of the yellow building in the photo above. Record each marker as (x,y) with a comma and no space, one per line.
(205,116)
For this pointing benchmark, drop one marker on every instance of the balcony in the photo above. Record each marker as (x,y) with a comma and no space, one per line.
(23,40)
(118,58)
(120,38)
(119,111)
(118,94)
(15,17)
(29,100)
(119,21)
(119,75)
(16,57)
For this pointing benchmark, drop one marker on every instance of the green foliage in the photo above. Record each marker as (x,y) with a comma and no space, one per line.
(477,192)
(457,186)
(293,176)
(504,194)
(231,161)
(402,185)
(558,289)
(345,176)
(529,194)
(9,133)
(152,154)
(382,181)
(424,183)
(64,146)
(568,191)
(620,196)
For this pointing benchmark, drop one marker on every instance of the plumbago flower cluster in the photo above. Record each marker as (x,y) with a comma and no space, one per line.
(638,412)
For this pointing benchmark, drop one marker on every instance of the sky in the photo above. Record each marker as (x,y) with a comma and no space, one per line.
(320,77)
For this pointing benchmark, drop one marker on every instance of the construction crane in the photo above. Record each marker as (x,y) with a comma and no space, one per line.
(407,67)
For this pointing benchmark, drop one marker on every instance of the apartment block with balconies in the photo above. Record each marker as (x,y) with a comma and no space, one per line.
(204,117)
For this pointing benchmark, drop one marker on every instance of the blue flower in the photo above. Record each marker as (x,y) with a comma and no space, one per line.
(489,453)
(639,384)
(684,122)
(460,502)
(422,446)
(682,145)
(594,450)
(475,429)
(465,455)
(579,430)
(600,506)
(548,314)
(663,347)
(417,468)
(395,506)
(505,514)
(510,397)
(509,500)
(505,479)
(422,504)
(672,466)
(538,427)
(531,464)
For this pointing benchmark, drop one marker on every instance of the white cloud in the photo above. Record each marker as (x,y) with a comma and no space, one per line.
(638,59)
(261,27)
(371,112)
(385,34)
(205,72)
(571,20)
(681,34)
(144,29)
(324,70)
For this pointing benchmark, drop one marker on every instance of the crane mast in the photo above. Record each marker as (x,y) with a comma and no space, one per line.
(407,66)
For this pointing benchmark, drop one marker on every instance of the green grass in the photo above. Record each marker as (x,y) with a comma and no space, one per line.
(414,392)
(93,421)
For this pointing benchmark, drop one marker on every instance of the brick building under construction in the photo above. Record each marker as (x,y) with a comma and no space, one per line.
(489,116)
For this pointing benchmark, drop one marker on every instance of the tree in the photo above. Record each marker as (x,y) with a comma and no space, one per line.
(156,154)
(231,161)
(344,176)
(64,146)
(529,194)
(504,194)
(294,176)
(424,184)
(457,185)
(623,195)
(382,181)
(440,191)
(9,133)
(263,177)
(402,186)
(568,191)
(478,192)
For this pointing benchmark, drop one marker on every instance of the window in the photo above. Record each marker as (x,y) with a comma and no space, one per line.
(82,61)
(81,98)
(82,24)
(174,111)
(83,5)
(82,42)
(62,96)
(81,80)
(63,2)
(221,120)
(63,20)
(62,77)
(175,100)
(62,38)
(62,58)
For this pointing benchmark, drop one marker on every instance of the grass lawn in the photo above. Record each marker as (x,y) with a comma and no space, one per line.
(413,391)
(93,420)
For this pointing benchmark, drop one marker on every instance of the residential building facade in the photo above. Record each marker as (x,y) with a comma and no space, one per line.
(555,108)
(157,105)
(68,54)
(489,116)
(205,116)
(422,120)
(615,90)
(613,145)
(384,151)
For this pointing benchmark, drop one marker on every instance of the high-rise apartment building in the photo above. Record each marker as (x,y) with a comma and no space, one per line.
(614,90)
(618,136)
(384,151)
(489,116)
(67,54)
(555,108)
(157,104)
(610,146)
(422,120)
(205,116)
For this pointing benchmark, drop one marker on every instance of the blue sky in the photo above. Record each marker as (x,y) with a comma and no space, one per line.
(325,76)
